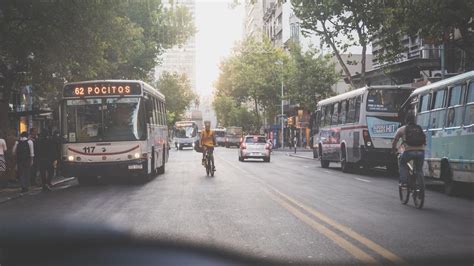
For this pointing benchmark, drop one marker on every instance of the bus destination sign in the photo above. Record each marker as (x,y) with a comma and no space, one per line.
(102,89)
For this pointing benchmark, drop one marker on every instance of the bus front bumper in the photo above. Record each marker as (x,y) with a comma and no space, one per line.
(110,169)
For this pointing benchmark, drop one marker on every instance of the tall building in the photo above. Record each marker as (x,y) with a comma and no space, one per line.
(181,58)
(253,20)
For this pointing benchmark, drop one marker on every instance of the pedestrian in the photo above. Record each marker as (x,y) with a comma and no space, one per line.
(295,142)
(11,139)
(45,155)
(3,162)
(25,153)
(57,155)
(33,136)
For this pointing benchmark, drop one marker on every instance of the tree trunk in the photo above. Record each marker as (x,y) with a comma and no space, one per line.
(338,55)
(257,113)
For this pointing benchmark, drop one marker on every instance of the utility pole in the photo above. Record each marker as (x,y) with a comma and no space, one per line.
(282,119)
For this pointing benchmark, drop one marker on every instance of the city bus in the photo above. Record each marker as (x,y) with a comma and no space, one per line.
(185,134)
(445,110)
(113,128)
(356,128)
(220,136)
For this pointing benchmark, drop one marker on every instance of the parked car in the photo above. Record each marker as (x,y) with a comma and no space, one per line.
(254,147)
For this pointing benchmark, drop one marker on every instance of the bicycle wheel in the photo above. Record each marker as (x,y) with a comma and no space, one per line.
(404,193)
(419,192)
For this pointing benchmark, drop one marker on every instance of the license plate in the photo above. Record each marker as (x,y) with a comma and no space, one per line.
(135,166)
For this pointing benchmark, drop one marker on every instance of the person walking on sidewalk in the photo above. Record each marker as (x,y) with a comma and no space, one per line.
(57,153)
(25,153)
(3,162)
(34,167)
(295,142)
(45,155)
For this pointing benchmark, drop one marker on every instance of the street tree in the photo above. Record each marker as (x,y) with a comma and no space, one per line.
(252,75)
(311,77)
(341,25)
(179,95)
(46,43)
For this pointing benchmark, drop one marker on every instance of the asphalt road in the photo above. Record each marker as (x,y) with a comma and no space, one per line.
(290,209)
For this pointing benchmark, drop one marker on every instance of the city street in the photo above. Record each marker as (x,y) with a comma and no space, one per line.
(289,209)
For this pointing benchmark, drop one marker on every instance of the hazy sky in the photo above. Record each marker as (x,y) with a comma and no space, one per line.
(219,27)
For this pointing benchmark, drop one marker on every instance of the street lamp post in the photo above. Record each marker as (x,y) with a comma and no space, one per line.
(282,119)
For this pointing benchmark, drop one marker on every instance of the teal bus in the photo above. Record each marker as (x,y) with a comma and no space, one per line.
(445,110)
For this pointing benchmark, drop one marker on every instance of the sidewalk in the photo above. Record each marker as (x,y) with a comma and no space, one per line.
(12,190)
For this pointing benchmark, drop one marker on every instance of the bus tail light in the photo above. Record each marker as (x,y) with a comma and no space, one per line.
(243,146)
(267,146)
(367,139)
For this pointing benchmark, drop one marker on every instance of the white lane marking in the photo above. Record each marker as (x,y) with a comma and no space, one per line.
(363,180)
(327,172)
(305,166)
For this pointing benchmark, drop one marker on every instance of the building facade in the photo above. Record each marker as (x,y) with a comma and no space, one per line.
(181,58)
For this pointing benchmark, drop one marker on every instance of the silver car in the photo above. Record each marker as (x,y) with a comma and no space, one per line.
(254,147)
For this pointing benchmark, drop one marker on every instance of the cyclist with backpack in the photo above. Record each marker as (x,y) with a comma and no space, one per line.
(414,141)
(24,151)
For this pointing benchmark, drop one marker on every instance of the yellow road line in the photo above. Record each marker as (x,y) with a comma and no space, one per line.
(367,242)
(349,232)
(346,245)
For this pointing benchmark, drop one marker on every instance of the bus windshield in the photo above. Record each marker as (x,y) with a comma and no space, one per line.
(185,131)
(234,131)
(110,119)
(386,100)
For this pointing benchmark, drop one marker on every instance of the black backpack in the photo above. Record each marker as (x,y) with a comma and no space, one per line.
(23,151)
(414,135)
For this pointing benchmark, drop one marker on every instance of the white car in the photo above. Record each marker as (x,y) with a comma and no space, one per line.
(254,147)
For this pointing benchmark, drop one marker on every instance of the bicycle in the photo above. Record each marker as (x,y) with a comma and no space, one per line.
(415,186)
(208,156)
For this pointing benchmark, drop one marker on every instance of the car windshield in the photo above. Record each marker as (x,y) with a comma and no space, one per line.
(310,159)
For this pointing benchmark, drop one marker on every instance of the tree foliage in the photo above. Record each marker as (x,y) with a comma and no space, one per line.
(341,24)
(229,113)
(253,74)
(179,95)
(311,77)
(251,79)
(345,23)
(45,43)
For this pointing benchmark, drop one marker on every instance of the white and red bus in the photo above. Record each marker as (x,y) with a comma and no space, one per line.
(113,128)
(356,128)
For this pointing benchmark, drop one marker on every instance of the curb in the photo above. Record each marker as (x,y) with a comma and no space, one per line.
(300,156)
(34,191)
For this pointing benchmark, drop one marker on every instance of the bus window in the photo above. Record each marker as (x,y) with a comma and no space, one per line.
(327,120)
(438,112)
(357,109)
(469,117)
(149,110)
(322,122)
(424,103)
(455,110)
(343,113)
(383,100)
(438,99)
(335,114)
(351,111)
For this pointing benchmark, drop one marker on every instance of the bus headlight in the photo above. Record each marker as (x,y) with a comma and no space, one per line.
(369,143)
(137,155)
(70,158)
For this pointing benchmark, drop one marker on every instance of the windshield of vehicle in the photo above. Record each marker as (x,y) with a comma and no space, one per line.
(220,133)
(255,140)
(185,131)
(386,100)
(105,119)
